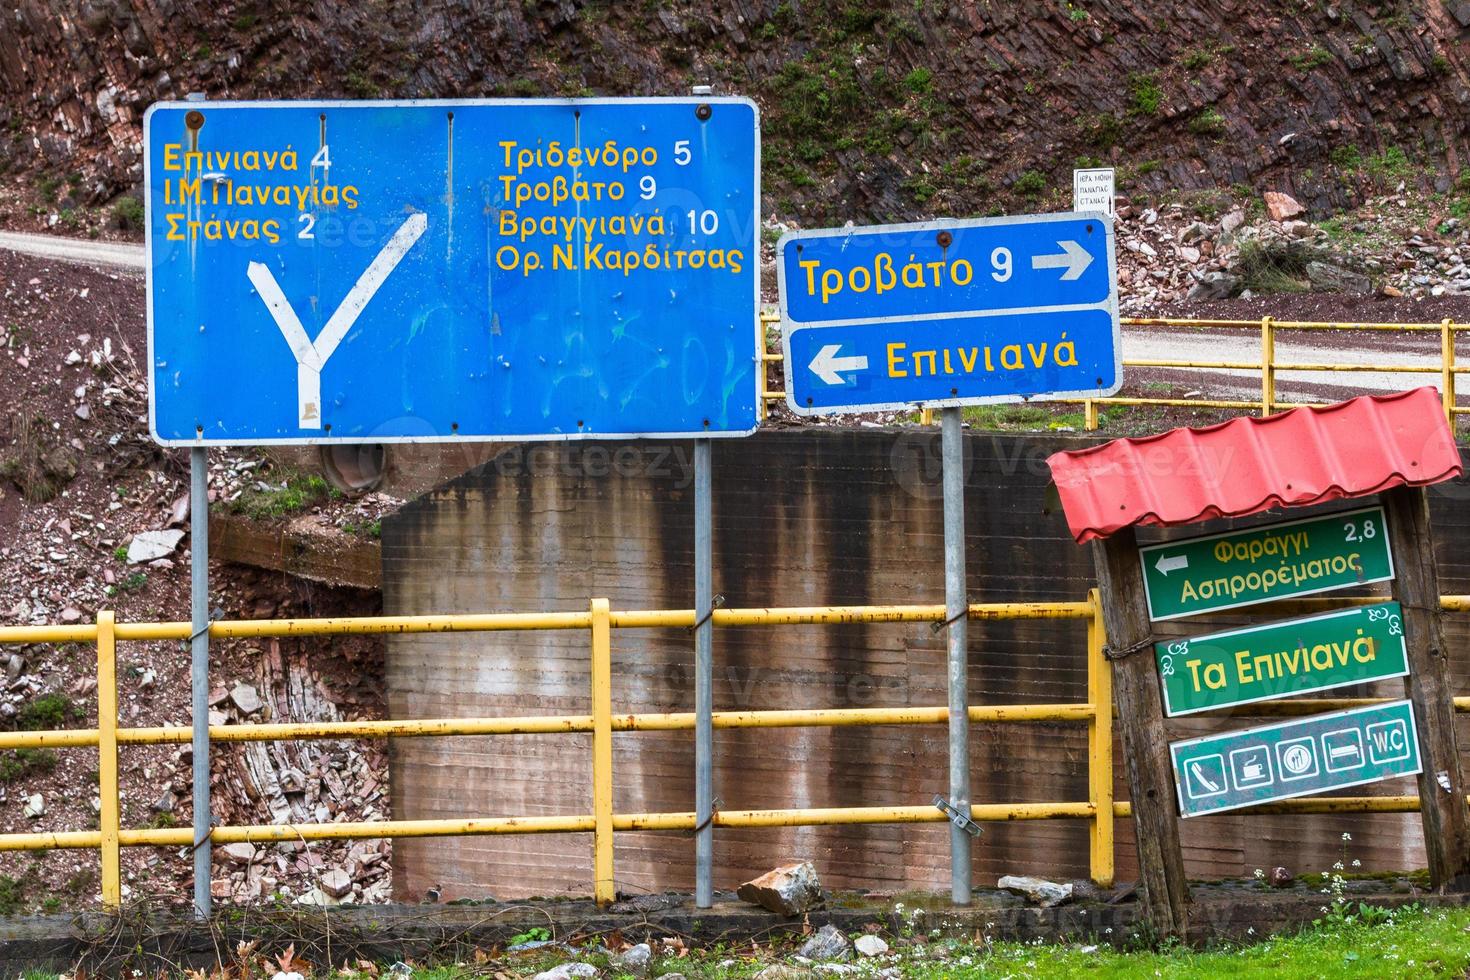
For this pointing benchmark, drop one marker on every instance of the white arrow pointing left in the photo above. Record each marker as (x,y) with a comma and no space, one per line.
(1073,257)
(1173,563)
(827,365)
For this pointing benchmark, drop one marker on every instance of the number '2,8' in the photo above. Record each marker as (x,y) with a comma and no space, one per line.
(1368,531)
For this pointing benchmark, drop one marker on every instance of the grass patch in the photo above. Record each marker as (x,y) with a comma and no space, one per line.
(128,214)
(1406,942)
(1208,123)
(46,713)
(17,764)
(38,462)
(1276,269)
(1145,95)
(298,492)
(1314,57)
(1030,184)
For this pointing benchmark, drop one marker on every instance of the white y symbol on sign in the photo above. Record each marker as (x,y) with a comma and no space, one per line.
(312,356)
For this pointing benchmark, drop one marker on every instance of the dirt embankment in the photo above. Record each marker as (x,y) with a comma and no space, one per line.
(81,486)
(872,110)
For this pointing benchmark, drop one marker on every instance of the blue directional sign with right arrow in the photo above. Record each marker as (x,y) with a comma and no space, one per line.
(949,313)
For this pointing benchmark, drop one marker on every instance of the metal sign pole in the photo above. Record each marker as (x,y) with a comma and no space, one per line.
(956,610)
(704,735)
(199,668)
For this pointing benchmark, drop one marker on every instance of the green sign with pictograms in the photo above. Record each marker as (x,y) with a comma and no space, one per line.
(1273,660)
(1259,564)
(1295,758)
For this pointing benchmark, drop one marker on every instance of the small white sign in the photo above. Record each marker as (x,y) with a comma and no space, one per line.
(1092,190)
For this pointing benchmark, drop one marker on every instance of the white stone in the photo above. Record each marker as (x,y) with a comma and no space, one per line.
(35,806)
(871,946)
(148,545)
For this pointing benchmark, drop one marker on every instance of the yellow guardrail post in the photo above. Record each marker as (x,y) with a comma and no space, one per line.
(1089,415)
(1100,747)
(760,369)
(1268,365)
(107,758)
(1447,369)
(926,416)
(604,891)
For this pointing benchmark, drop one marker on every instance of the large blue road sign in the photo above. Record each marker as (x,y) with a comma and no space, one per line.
(418,271)
(950,313)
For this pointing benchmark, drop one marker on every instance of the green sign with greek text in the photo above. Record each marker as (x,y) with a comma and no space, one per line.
(1277,561)
(1273,660)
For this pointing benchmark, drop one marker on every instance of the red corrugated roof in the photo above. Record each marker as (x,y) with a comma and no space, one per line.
(1247,465)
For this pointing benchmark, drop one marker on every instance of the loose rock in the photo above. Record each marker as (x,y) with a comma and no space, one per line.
(566,971)
(789,890)
(1039,890)
(148,545)
(637,960)
(828,944)
(871,945)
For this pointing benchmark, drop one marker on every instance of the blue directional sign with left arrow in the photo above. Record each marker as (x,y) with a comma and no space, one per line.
(949,313)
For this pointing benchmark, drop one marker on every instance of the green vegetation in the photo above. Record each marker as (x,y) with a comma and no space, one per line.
(1076,14)
(296,493)
(46,713)
(1030,184)
(1314,57)
(47,188)
(1350,941)
(1280,268)
(120,552)
(1208,123)
(135,582)
(1103,131)
(1026,418)
(127,213)
(1390,166)
(920,80)
(1196,58)
(12,896)
(17,764)
(1145,97)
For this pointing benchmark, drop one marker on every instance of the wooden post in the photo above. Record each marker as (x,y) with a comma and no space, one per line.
(1141,718)
(1416,587)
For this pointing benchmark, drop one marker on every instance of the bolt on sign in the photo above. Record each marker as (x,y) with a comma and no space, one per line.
(1261,564)
(1299,656)
(1295,758)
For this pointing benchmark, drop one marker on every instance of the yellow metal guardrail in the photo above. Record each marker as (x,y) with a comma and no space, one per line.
(1267,364)
(1100,808)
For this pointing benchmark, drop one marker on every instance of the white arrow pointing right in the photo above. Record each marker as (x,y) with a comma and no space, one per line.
(827,365)
(1173,563)
(1073,257)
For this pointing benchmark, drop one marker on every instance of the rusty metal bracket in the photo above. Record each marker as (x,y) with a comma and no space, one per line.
(946,624)
(957,816)
(1113,653)
(716,602)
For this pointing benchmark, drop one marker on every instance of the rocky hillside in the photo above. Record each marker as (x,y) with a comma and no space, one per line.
(874,109)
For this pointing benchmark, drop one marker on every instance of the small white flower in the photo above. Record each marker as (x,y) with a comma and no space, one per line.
(1347,836)
(1251,931)
(1357,863)
(1260,874)
(1337,866)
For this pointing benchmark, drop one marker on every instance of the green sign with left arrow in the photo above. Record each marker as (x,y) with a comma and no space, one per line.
(1259,564)
(1272,660)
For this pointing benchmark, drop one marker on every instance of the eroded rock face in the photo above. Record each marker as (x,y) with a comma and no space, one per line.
(964,107)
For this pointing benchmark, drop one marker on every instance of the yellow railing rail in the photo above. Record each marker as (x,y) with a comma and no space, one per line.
(1100,808)
(1267,365)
